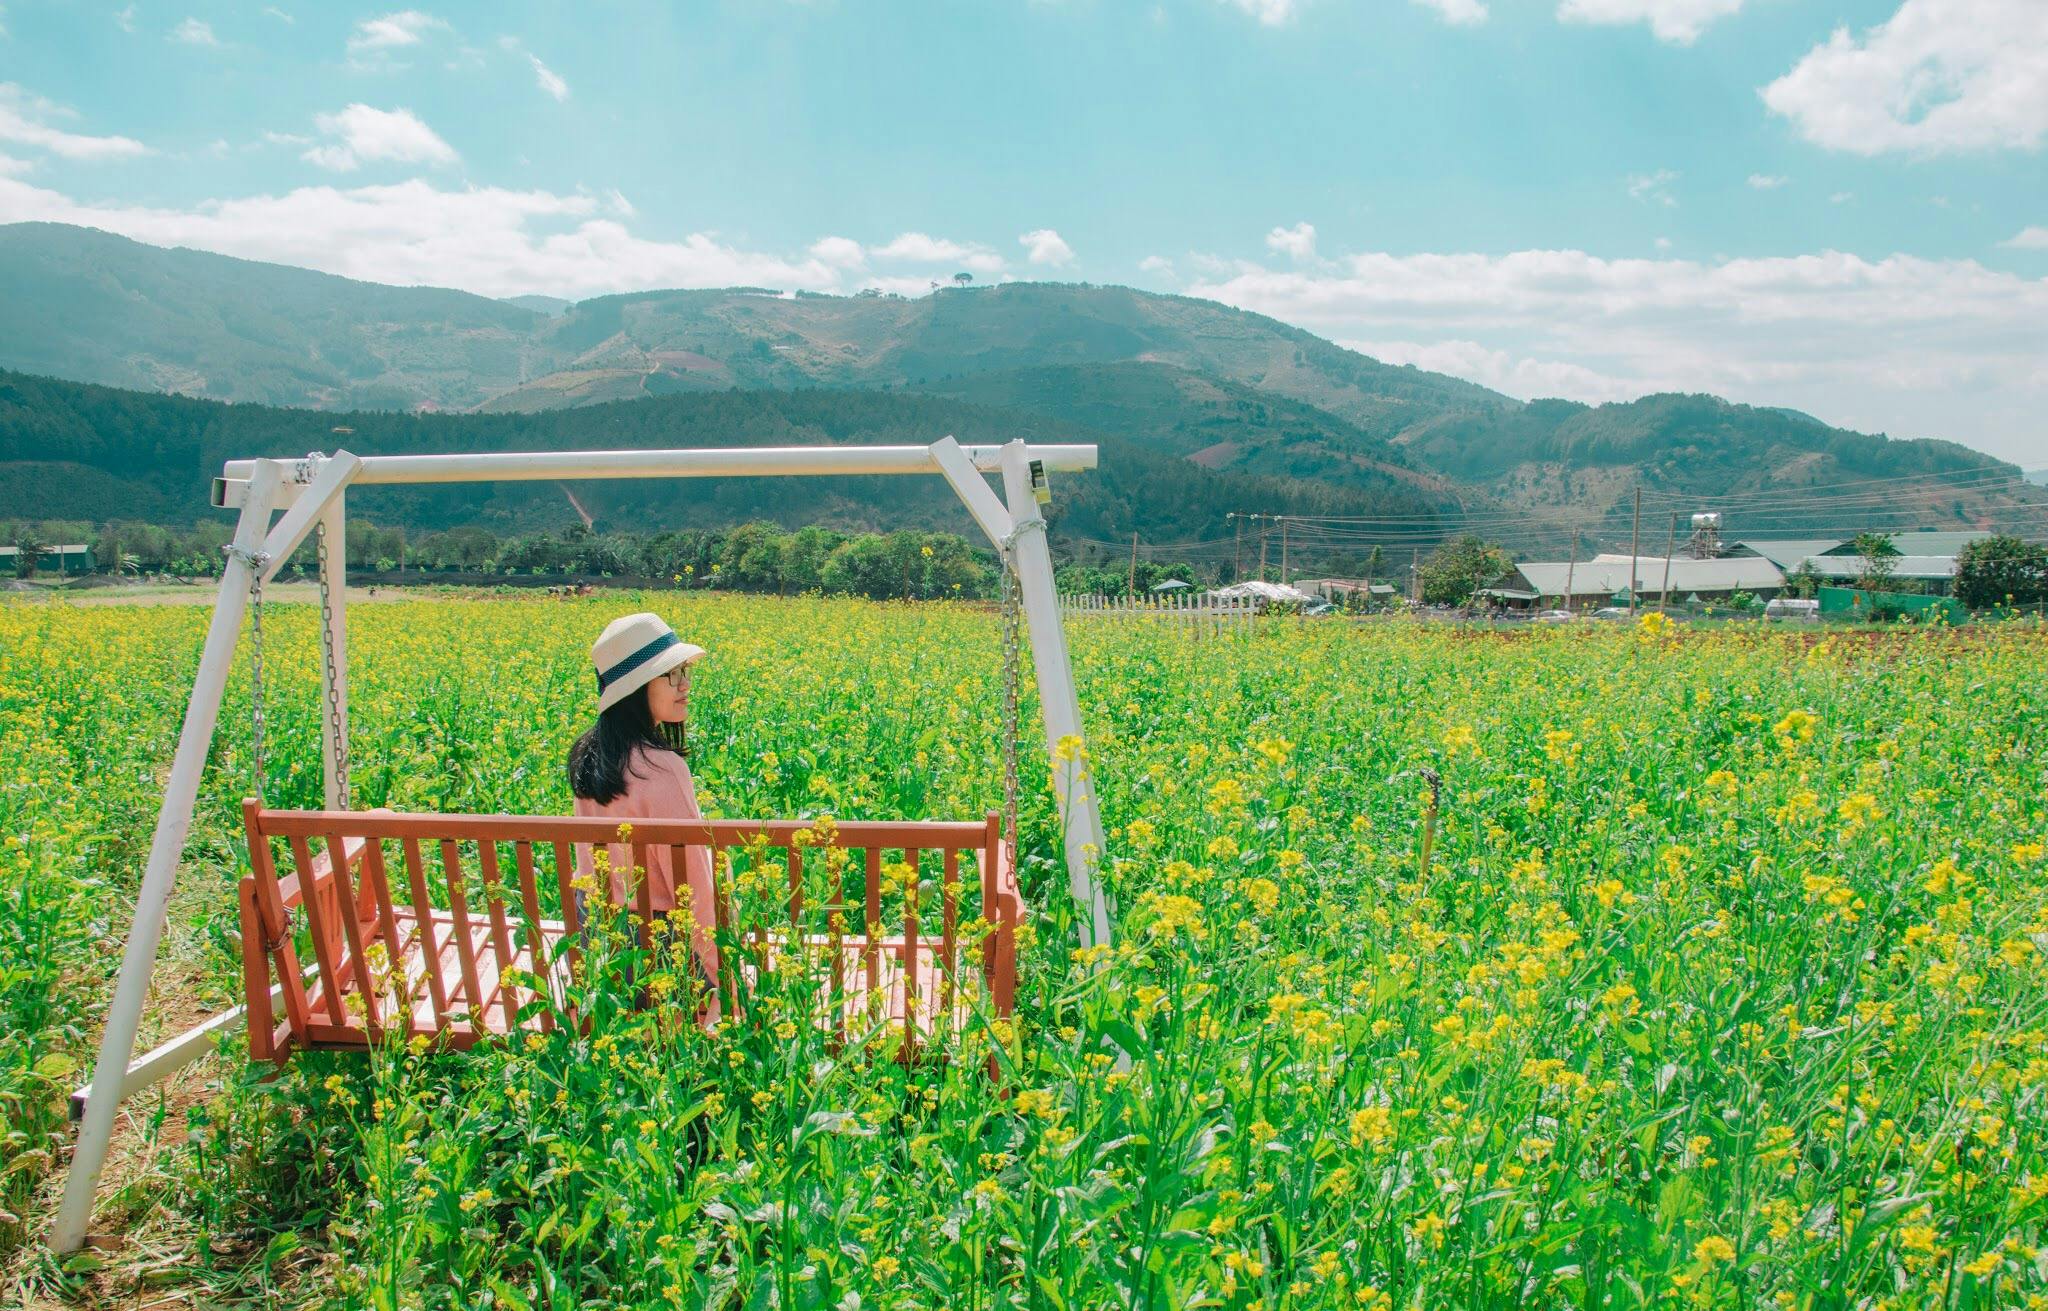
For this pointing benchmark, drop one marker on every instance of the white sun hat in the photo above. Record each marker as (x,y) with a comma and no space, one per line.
(632,652)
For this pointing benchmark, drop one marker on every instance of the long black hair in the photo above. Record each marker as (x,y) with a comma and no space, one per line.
(599,759)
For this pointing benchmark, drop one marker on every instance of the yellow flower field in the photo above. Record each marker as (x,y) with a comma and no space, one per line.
(1724,985)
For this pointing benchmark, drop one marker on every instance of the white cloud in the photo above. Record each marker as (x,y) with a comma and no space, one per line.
(1156,264)
(547,79)
(192,32)
(367,134)
(918,248)
(1939,75)
(1500,370)
(615,200)
(1046,247)
(23,121)
(2033,238)
(125,18)
(12,167)
(1271,13)
(1297,242)
(393,31)
(1841,197)
(280,15)
(1663,243)
(1679,22)
(286,139)
(489,240)
(1653,187)
(1459,13)
(1767,181)
(1902,344)
(839,252)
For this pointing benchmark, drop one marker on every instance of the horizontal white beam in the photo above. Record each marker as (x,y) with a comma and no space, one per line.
(174,1055)
(723,462)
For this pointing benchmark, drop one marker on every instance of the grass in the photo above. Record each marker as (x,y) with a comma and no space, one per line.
(1724,986)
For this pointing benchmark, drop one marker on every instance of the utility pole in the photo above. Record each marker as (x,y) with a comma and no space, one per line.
(1262,544)
(1635,538)
(1283,550)
(1571,569)
(1133,585)
(1415,575)
(1664,596)
(1237,552)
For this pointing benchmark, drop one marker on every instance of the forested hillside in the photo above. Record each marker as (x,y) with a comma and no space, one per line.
(75,451)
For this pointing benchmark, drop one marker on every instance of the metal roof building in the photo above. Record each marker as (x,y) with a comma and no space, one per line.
(1605,575)
(1784,552)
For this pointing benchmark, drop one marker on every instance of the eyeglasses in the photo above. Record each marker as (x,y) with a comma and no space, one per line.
(678,678)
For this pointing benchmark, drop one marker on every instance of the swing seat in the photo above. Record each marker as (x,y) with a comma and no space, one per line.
(419,925)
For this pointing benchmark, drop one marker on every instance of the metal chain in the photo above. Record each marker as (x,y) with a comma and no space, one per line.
(256,561)
(335,732)
(1012,657)
(256,677)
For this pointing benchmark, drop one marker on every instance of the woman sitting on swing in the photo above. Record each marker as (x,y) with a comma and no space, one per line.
(632,764)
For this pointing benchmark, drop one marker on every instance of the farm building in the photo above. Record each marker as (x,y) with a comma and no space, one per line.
(75,559)
(1596,581)
(1342,589)
(1927,559)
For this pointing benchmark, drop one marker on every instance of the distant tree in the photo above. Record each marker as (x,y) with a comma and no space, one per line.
(1880,557)
(962,279)
(29,551)
(1804,581)
(1374,563)
(2001,570)
(863,566)
(804,553)
(1460,567)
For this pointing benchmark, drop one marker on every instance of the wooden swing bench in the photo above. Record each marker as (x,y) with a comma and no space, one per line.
(423,928)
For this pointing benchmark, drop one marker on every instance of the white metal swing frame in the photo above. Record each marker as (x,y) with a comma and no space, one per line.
(311,492)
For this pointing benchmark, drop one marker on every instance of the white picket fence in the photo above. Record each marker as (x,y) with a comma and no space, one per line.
(1198,616)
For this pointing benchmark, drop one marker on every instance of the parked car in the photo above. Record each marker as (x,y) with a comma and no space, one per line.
(1555,616)
(1317,609)
(1612,613)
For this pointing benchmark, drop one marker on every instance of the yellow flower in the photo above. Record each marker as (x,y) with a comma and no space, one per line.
(1712,1250)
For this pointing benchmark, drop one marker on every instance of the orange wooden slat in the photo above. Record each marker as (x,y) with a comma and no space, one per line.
(464,935)
(314,898)
(572,920)
(907,953)
(352,934)
(873,910)
(430,947)
(379,883)
(796,887)
(276,922)
(255,974)
(664,832)
(643,900)
(538,958)
(949,943)
(835,925)
(501,936)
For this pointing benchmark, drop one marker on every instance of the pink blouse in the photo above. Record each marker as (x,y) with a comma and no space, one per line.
(658,786)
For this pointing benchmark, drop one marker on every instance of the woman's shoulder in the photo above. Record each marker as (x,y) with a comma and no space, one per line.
(659,762)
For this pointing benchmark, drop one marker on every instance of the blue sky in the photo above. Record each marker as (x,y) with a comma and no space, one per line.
(1836,204)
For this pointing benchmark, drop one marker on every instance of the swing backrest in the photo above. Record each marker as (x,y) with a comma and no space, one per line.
(452,925)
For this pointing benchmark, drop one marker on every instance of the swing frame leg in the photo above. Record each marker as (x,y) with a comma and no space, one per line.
(1018,530)
(110,1082)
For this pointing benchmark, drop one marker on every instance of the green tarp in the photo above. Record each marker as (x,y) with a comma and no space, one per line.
(1855,602)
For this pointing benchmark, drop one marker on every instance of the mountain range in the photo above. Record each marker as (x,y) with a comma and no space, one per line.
(1255,411)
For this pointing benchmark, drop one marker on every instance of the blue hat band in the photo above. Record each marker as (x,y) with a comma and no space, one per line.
(606,677)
